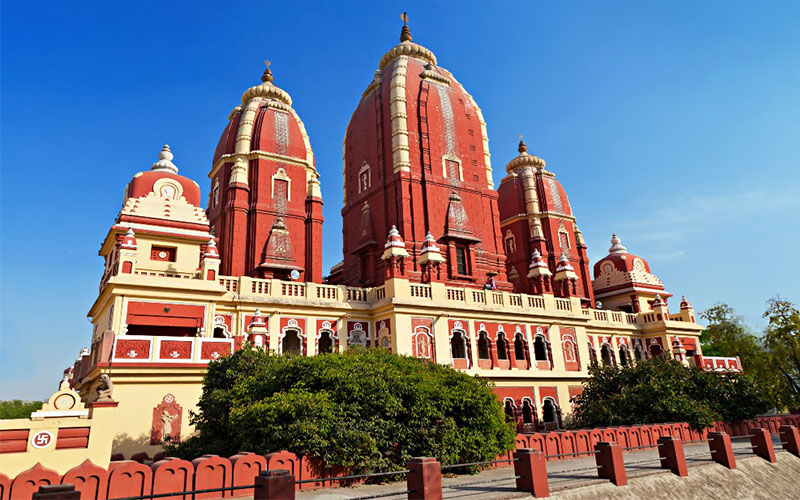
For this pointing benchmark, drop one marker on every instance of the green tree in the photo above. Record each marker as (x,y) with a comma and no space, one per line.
(783,342)
(17,408)
(664,390)
(366,409)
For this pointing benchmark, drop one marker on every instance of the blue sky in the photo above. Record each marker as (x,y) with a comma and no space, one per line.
(675,124)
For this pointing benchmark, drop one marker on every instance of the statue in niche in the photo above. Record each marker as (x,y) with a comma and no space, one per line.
(105,389)
(166,423)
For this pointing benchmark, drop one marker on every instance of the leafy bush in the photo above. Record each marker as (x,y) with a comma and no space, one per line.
(664,390)
(17,408)
(366,409)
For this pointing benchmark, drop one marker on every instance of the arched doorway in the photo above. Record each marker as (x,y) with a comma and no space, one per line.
(458,345)
(527,412)
(502,347)
(510,411)
(606,355)
(655,350)
(623,355)
(483,347)
(292,342)
(540,348)
(549,412)
(325,343)
(519,348)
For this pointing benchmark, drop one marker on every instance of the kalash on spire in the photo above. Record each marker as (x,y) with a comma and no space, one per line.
(416,156)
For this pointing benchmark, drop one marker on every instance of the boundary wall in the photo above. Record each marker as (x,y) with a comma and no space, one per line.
(142,475)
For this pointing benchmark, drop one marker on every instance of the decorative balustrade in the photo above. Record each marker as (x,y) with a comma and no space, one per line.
(563,305)
(456,294)
(535,302)
(164,274)
(436,292)
(421,291)
(261,286)
(328,292)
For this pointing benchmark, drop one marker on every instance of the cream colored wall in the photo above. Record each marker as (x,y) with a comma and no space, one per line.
(139,395)
(102,422)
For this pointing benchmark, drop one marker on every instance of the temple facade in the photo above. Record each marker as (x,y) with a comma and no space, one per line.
(437,264)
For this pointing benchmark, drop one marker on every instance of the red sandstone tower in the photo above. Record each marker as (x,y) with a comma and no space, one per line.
(265,205)
(416,156)
(545,249)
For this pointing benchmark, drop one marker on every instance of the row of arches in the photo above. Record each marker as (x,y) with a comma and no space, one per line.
(623,354)
(502,351)
(526,412)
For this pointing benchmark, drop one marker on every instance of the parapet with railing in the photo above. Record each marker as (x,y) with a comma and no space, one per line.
(430,294)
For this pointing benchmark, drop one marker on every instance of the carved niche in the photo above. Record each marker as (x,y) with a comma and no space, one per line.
(167,417)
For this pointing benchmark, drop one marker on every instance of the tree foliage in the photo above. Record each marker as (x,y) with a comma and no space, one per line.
(16,408)
(664,390)
(772,361)
(782,340)
(366,409)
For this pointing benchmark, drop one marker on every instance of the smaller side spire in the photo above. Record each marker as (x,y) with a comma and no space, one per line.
(405,32)
(165,161)
(616,245)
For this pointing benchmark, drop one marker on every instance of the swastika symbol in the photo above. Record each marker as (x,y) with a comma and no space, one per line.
(42,439)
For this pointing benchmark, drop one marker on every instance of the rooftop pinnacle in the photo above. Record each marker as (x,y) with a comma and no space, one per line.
(405,33)
(267,77)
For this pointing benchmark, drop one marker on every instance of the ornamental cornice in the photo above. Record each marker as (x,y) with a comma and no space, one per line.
(268,91)
(524,160)
(407,48)
(260,155)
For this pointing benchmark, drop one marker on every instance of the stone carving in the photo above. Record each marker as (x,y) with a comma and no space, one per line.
(106,388)
(167,419)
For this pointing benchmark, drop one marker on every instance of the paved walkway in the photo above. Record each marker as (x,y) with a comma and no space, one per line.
(499,483)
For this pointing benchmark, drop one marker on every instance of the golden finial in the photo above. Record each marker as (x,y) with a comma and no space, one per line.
(523,148)
(405,33)
(267,76)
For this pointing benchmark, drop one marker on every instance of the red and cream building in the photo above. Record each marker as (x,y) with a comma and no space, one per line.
(436,263)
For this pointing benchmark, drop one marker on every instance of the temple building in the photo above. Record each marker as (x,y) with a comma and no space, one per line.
(437,264)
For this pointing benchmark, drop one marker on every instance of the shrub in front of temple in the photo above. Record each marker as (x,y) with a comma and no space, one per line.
(364,410)
(663,390)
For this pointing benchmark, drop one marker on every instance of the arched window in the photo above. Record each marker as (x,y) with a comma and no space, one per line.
(540,348)
(509,409)
(606,355)
(483,346)
(519,347)
(219,333)
(458,345)
(527,411)
(637,352)
(549,411)
(623,355)
(291,342)
(325,344)
(502,347)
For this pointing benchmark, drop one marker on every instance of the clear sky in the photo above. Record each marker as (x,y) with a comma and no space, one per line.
(675,124)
